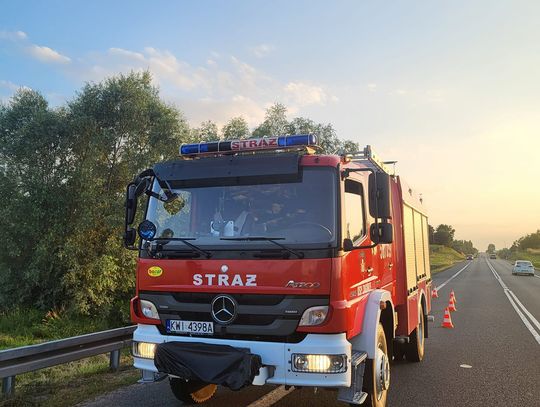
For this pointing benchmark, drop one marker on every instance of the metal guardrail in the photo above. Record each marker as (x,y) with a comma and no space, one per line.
(34,357)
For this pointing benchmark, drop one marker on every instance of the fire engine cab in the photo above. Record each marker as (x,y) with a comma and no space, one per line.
(263,261)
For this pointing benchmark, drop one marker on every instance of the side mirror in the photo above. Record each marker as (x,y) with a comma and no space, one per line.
(131,203)
(381,233)
(142,186)
(129,237)
(379,195)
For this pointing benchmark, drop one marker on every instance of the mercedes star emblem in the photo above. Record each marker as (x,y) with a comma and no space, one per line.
(224,309)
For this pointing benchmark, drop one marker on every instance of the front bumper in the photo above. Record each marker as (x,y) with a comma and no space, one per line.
(276,355)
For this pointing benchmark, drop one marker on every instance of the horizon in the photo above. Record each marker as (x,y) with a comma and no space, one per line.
(450,92)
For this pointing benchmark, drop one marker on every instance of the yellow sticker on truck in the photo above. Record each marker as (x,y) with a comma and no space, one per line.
(155,271)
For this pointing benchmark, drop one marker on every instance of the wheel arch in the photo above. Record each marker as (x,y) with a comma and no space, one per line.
(366,341)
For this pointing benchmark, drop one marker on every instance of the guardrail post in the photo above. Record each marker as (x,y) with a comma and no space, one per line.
(8,386)
(114,362)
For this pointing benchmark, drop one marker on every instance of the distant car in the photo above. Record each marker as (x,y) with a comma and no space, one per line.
(492,256)
(470,257)
(523,267)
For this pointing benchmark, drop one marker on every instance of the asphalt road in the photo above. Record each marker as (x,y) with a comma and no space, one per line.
(490,358)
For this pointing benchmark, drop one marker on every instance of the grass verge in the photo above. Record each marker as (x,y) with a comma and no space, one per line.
(71,383)
(442,257)
(532,256)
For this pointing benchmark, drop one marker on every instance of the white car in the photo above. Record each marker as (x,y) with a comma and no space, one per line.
(523,267)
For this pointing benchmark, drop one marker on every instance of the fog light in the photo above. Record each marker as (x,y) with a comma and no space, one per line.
(319,363)
(143,350)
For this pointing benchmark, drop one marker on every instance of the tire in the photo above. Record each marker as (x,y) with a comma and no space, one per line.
(415,347)
(378,394)
(192,392)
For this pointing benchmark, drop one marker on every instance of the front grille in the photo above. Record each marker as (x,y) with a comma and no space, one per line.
(241,299)
(259,317)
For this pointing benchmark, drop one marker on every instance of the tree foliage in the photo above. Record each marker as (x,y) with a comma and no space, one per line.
(236,129)
(444,235)
(491,248)
(63,174)
(276,123)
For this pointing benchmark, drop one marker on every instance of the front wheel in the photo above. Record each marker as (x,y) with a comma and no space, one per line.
(191,392)
(377,374)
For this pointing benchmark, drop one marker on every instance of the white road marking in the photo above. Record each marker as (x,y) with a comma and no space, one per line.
(451,278)
(514,301)
(465,366)
(271,398)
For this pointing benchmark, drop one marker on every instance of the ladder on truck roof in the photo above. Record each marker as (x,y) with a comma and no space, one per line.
(372,160)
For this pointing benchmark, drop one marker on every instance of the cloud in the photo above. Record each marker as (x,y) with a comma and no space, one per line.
(221,87)
(305,94)
(9,85)
(262,50)
(13,35)
(124,53)
(46,54)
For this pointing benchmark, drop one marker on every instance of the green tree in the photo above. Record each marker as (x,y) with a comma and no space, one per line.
(431,233)
(444,235)
(236,128)
(35,165)
(275,122)
(207,131)
(118,128)
(530,241)
(491,248)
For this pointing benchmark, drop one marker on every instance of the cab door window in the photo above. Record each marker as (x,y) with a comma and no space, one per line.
(354,211)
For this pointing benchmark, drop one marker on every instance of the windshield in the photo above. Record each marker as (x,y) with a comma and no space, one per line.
(298,213)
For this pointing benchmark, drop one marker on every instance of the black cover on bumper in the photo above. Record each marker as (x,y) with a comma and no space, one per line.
(217,364)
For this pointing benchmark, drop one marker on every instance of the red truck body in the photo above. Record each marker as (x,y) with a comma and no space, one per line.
(396,275)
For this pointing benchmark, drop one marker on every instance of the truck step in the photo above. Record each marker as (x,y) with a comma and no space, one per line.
(354,394)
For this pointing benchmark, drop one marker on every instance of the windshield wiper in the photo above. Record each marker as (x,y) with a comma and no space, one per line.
(300,255)
(185,240)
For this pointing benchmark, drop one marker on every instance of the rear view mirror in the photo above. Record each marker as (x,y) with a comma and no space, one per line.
(142,186)
(379,195)
(381,233)
(131,203)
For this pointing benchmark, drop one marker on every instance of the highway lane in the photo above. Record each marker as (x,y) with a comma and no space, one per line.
(489,336)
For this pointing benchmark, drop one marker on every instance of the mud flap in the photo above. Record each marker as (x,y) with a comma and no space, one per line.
(217,364)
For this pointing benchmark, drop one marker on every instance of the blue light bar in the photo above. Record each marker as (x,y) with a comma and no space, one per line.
(265,143)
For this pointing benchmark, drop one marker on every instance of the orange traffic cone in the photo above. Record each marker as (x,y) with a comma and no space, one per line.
(434,293)
(452,295)
(452,305)
(447,321)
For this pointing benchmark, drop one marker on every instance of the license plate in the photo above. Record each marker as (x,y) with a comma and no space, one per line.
(189,327)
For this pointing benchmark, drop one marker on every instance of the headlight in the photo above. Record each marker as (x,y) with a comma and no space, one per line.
(314,316)
(318,363)
(143,349)
(149,310)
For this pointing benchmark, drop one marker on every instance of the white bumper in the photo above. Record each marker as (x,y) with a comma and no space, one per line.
(274,354)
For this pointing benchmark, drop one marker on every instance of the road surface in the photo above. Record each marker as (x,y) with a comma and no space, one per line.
(491,358)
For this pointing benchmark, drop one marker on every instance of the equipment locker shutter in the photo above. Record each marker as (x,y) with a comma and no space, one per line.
(426,245)
(410,258)
(419,246)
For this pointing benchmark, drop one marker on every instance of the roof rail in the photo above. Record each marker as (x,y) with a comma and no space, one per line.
(371,159)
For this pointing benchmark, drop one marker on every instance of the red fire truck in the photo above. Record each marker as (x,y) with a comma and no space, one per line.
(263,261)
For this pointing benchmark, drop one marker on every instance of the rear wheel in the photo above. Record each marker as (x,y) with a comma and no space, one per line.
(377,374)
(192,392)
(415,347)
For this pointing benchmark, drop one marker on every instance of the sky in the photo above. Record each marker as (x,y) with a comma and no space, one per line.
(451,90)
